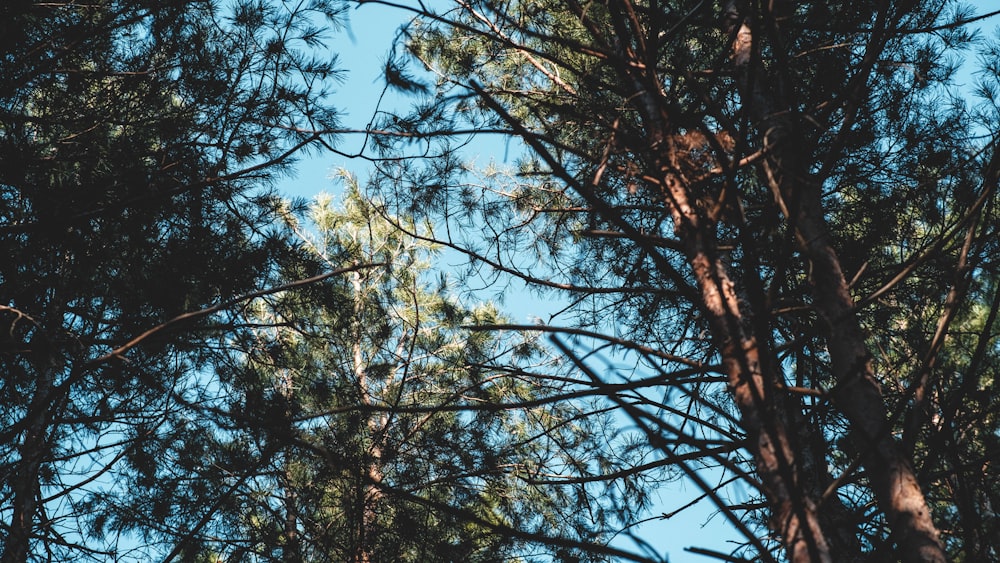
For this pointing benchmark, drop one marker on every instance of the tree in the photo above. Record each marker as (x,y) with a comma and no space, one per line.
(368,425)
(793,198)
(137,141)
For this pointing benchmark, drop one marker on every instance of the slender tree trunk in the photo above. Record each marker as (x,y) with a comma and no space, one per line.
(968,496)
(753,387)
(808,439)
(33,451)
(369,472)
(857,393)
(291,549)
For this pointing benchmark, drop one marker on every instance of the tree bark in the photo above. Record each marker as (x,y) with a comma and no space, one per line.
(857,393)
(752,386)
(750,379)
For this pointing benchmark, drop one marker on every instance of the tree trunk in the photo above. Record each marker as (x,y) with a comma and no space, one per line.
(24,485)
(751,377)
(857,393)
(753,386)
(367,494)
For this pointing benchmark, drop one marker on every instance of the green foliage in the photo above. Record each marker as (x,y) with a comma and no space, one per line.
(370,422)
(137,141)
(171,392)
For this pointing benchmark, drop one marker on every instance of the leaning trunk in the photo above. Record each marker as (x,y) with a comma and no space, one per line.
(857,393)
(750,376)
(794,515)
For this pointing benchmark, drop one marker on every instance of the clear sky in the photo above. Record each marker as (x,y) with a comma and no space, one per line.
(362,51)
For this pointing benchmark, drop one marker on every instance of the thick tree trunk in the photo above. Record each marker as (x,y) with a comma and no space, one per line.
(794,515)
(751,379)
(857,393)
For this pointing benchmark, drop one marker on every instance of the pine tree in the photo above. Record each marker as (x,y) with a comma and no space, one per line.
(374,424)
(137,140)
(790,195)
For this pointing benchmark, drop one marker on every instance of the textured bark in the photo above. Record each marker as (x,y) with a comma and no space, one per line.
(752,385)
(794,515)
(857,393)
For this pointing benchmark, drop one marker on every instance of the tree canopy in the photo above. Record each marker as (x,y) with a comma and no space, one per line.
(793,198)
(359,421)
(138,140)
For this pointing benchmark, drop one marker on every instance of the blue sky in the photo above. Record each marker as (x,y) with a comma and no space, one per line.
(362,52)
